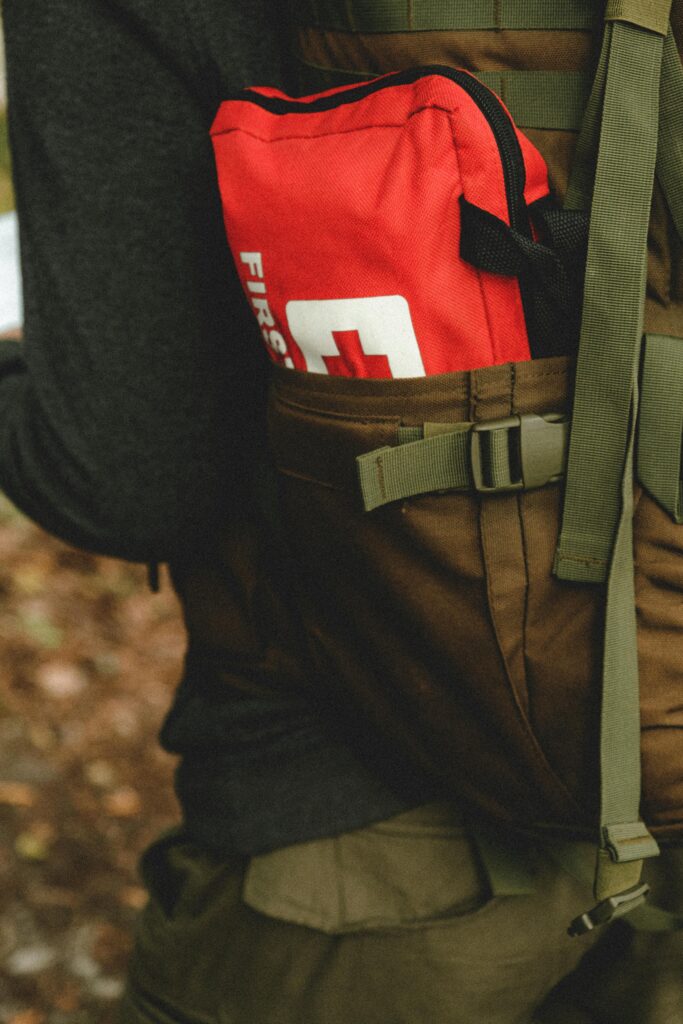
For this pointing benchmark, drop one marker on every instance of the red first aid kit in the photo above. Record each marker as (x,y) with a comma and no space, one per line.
(395,228)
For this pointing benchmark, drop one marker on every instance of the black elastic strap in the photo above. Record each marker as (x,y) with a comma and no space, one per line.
(551,269)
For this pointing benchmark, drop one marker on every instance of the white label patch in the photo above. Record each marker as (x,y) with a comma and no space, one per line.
(382,322)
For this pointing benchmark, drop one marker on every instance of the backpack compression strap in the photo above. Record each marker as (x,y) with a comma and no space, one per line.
(596,542)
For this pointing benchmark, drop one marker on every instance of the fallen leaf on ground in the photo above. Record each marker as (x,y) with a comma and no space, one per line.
(17,794)
(100,773)
(123,803)
(35,842)
(53,896)
(134,896)
(28,1017)
(69,999)
(85,681)
(58,679)
(30,960)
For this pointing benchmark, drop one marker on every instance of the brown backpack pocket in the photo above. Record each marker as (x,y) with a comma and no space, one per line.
(435,621)
(420,613)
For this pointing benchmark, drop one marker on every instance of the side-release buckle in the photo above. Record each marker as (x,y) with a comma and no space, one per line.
(609,909)
(519,452)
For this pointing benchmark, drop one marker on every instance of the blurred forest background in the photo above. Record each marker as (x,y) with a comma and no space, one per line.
(89,658)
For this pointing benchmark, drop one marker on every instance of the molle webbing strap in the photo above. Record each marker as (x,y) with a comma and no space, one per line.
(541,99)
(551,100)
(369,16)
(536,99)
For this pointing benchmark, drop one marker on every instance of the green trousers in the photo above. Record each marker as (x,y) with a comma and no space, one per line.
(410,921)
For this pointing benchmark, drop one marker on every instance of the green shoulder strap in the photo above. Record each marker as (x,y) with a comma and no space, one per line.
(629,73)
(596,541)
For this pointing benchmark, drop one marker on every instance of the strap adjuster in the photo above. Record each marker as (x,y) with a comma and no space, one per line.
(510,454)
(609,909)
(518,453)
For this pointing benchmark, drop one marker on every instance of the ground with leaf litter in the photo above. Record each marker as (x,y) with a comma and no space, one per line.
(89,658)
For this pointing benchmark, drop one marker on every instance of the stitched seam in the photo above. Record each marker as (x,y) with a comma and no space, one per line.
(389,420)
(348,6)
(547,373)
(332,70)
(149,1003)
(458,392)
(474,396)
(380,476)
(310,479)
(525,554)
(282,902)
(582,560)
(498,15)
(480,276)
(346,131)
(341,891)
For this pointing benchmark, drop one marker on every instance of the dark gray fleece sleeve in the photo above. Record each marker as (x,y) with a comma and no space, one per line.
(128,427)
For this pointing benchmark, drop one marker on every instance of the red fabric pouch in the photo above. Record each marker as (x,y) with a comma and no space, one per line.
(391,229)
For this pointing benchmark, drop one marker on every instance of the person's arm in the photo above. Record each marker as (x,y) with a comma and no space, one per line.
(125,430)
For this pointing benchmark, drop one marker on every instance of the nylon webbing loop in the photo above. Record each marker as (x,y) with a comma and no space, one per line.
(541,99)
(580,186)
(553,269)
(490,457)
(652,15)
(627,843)
(430,15)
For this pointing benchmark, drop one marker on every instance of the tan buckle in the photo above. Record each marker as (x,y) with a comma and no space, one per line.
(536,452)
(608,910)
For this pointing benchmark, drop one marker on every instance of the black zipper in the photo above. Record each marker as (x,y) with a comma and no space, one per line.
(512,161)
